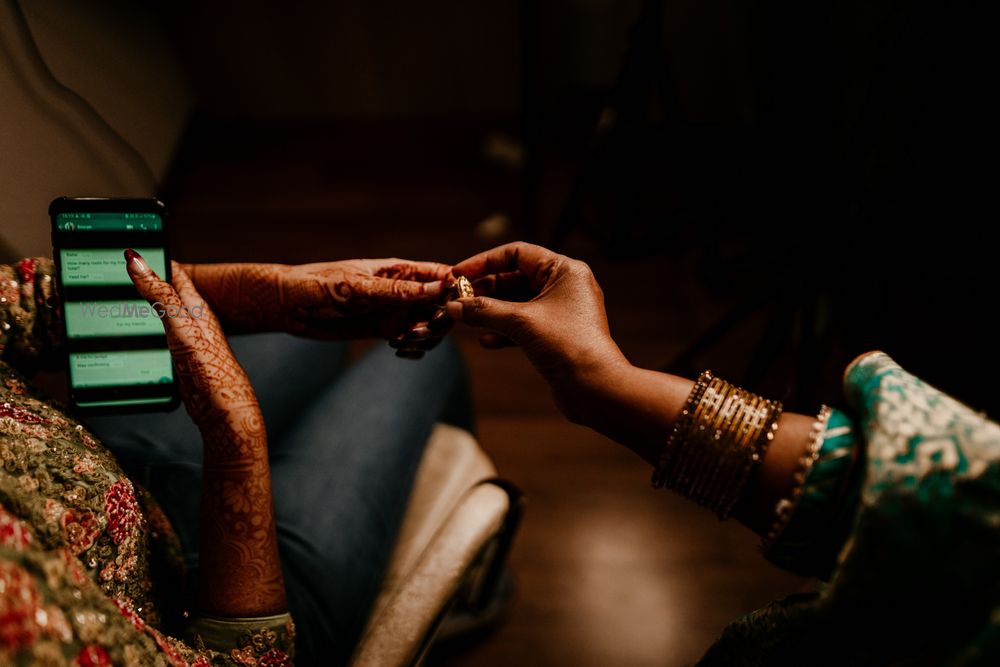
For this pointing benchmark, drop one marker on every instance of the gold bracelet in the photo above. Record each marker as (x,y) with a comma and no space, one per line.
(720,437)
(783,510)
(728,454)
(766,428)
(732,404)
(683,420)
(689,473)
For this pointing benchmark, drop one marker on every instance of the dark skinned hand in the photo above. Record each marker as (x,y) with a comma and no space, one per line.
(548,304)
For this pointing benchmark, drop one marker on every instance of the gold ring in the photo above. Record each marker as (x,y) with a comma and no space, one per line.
(465,290)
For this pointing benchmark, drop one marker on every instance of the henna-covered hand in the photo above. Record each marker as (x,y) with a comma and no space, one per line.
(360,298)
(240,574)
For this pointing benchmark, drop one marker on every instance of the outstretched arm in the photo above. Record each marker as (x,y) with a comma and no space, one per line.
(378,298)
(552,307)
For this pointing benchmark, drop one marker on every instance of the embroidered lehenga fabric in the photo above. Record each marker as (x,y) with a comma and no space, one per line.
(90,572)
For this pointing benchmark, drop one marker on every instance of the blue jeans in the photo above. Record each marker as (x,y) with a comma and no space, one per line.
(344,442)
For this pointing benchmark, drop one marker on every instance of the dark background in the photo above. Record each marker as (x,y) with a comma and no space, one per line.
(823,166)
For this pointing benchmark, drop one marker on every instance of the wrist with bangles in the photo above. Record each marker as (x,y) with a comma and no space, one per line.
(719,439)
(717,442)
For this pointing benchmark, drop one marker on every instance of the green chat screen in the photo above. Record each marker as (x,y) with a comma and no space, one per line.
(103,267)
(122,367)
(99,307)
(96,319)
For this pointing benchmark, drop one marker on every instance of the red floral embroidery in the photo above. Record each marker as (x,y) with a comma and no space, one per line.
(19,414)
(13,532)
(119,569)
(56,625)
(126,610)
(53,510)
(83,464)
(35,431)
(274,658)
(15,386)
(18,607)
(73,567)
(93,656)
(26,267)
(88,440)
(168,646)
(243,656)
(123,510)
(80,529)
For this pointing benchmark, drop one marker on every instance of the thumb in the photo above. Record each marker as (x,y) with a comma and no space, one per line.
(506,317)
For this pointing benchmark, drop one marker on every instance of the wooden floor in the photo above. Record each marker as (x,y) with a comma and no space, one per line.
(608,571)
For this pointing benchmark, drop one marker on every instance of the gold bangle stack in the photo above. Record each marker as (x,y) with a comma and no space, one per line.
(719,438)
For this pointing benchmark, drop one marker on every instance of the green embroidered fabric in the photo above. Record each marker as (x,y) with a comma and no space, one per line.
(915,582)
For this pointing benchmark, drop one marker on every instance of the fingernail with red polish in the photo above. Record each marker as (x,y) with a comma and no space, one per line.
(135,260)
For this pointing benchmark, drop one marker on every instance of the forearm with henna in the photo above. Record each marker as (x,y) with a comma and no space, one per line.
(245,297)
(342,300)
(239,573)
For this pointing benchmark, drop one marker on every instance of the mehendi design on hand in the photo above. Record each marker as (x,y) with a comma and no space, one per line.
(380,298)
(240,573)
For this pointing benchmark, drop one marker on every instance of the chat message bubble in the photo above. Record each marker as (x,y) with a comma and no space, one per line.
(81,267)
(125,367)
(91,319)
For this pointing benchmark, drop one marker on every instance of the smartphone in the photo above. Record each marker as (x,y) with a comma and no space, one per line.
(118,359)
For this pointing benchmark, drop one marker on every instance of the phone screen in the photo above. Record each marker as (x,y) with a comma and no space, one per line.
(118,356)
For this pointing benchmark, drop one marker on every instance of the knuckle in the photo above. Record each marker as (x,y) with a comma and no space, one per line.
(396,290)
(582,272)
(579,268)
